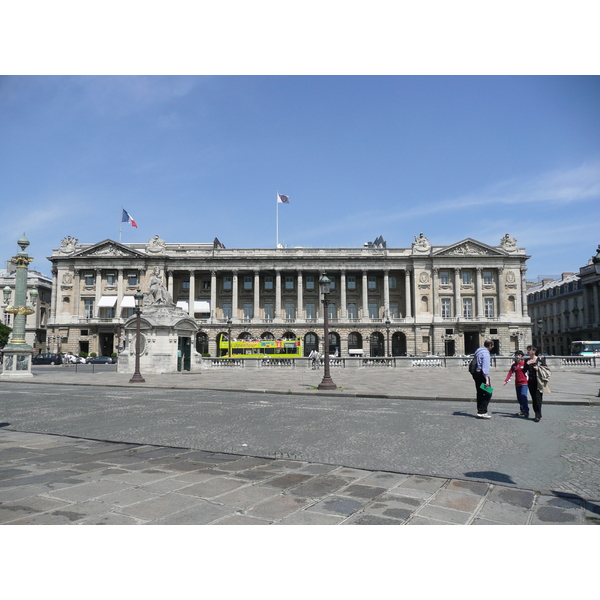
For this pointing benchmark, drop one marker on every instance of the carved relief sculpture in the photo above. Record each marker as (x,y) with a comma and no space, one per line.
(68,245)
(156,245)
(508,243)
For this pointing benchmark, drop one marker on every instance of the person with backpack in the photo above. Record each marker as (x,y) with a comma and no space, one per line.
(538,375)
(518,370)
(480,370)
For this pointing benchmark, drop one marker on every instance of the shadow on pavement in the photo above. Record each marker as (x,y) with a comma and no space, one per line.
(492,476)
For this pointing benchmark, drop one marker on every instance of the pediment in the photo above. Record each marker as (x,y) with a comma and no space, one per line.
(469,247)
(108,248)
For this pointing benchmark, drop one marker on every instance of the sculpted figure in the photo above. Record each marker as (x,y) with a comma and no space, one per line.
(157,292)
(68,245)
(156,244)
(421,243)
(508,243)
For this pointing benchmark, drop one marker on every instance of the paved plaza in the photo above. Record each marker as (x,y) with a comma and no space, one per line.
(263,446)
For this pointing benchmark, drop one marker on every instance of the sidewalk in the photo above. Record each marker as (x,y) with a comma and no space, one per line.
(57,480)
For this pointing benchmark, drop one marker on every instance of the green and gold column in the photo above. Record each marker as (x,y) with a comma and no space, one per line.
(17,353)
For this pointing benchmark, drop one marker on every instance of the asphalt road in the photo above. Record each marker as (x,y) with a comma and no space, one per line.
(560,454)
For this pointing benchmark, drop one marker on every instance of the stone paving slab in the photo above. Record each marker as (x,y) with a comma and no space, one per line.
(286,493)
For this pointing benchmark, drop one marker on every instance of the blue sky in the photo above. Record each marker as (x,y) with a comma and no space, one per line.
(192,158)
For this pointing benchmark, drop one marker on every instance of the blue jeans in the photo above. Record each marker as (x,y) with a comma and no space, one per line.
(522,398)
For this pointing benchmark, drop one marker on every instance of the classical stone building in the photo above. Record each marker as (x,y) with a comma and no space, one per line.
(36,324)
(566,310)
(421,300)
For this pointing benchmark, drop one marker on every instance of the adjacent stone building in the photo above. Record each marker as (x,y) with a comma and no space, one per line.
(566,310)
(421,300)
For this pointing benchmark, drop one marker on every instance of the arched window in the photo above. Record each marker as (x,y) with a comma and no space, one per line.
(288,335)
(398,344)
(267,335)
(202,343)
(377,344)
(354,341)
(311,342)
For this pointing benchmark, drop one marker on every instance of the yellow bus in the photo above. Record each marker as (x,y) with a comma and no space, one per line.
(262,348)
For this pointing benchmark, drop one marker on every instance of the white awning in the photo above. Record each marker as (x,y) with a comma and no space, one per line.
(201,306)
(128,302)
(107,301)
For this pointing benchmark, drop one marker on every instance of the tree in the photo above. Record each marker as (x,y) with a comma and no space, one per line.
(4,334)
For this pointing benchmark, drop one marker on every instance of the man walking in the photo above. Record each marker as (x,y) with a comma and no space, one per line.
(482,375)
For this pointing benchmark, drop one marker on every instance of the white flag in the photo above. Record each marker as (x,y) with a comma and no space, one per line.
(282,199)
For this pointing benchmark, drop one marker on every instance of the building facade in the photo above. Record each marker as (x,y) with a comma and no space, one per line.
(37,323)
(566,310)
(422,300)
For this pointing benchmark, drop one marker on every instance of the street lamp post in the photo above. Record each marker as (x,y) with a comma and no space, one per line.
(229,337)
(324,288)
(137,376)
(540,323)
(387,329)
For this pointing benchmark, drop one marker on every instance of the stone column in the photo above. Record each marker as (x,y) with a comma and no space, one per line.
(277,294)
(55,292)
(501,292)
(300,307)
(344,307)
(213,294)
(435,283)
(523,294)
(386,295)
(98,292)
(408,293)
(119,293)
(170,284)
(234,296)
(457,306)
(192,296)
(479,292)
(75,310)
(256,313)
(595,317)
(365,297)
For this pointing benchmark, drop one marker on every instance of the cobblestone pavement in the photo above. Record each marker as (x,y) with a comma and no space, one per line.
(178,450)
(48,479)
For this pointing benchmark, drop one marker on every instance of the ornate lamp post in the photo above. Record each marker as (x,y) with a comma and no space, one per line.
(387,329)
(540,323)
(229,336)
(324,288)
(139,298)
(17,353)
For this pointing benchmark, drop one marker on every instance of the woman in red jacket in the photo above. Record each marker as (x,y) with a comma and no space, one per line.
(518,370)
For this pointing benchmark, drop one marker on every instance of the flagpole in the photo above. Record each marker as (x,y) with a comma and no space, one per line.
(277,220)
(121,225)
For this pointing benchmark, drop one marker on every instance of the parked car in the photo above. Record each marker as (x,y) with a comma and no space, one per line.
(47,359)
(101,360)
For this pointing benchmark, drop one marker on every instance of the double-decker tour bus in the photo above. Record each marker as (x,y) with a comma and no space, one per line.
(262,348)
(585,348)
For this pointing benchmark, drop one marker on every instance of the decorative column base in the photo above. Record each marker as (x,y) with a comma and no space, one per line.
(17,361)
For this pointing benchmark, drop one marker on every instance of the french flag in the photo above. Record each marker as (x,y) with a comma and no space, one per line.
(127,218)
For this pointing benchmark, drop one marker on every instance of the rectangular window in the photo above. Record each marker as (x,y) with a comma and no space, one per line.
(352,310)
(290,310)
(487,278)
(248,312)
(268,282)
(466,277)
(331,311)
(132,279)
(394,314)
(489,307)
(445,277)
(227,310)
(226,283)
(310,310)
(446,308)
(206,284)
(392,282)
(351,282)
(7,318)
(268,309)
(289,282)
(89,279)
(331,282)
(247,283)
(108,312)
(468,308)
(373,310)
(185,285)
(88,308)
(111,279)
(372,282)
(310,283)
